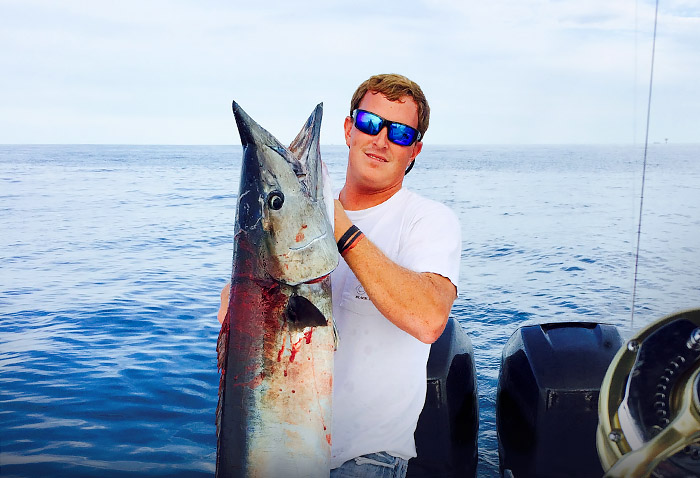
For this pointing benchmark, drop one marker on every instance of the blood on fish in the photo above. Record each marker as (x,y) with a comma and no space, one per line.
(279,354)
(315,281)
(300,234)
(293,352)
(297,345)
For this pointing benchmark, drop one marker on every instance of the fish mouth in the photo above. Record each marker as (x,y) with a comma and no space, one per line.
(317,280)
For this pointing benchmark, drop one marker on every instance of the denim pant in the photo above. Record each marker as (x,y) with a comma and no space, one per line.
(374,465)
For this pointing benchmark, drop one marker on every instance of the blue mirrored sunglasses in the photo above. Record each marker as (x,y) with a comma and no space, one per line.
(372,124)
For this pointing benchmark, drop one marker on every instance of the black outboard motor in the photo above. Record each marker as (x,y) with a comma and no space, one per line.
(446,434)
(547,401)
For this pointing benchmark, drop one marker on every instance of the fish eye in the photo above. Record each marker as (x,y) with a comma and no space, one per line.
(275,200)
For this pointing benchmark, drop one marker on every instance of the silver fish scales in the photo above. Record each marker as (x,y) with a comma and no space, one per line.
(276,345)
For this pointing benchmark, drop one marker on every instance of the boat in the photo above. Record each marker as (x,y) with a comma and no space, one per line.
(574,400)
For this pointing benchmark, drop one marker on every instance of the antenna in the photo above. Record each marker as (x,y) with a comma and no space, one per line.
(644,170)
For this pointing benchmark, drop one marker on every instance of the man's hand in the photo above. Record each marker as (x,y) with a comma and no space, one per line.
(223,307)
(342,221)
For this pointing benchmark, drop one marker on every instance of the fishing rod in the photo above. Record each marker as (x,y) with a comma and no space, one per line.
(644,170)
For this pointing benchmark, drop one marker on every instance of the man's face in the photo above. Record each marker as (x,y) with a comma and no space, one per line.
(375,163)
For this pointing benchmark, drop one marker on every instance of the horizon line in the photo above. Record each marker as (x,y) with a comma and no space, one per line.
(428,145)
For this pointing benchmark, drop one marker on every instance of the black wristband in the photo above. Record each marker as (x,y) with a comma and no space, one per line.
(347,238)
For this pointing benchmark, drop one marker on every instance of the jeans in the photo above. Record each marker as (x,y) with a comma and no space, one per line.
(374,465)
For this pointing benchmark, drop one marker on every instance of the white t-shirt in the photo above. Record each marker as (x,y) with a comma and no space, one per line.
(380,371)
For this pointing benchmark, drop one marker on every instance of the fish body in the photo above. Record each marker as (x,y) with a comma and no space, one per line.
(276,345)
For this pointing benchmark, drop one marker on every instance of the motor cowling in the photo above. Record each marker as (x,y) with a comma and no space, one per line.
(446,434)
(547,399)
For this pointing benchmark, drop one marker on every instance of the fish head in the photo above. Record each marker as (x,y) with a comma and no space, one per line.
(281,204)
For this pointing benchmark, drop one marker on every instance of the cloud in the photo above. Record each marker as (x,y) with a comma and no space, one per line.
(502,71)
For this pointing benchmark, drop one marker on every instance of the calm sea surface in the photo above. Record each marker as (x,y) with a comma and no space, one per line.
(112,259)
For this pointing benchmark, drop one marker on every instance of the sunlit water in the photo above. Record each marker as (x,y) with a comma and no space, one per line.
(112,259)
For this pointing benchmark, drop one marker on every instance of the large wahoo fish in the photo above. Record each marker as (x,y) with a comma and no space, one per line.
(276,345)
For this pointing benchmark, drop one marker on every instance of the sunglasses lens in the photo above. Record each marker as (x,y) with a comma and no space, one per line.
(368,123)
(372,124)
(401,134)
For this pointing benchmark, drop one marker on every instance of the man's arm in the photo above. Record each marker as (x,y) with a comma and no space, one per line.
(418,303)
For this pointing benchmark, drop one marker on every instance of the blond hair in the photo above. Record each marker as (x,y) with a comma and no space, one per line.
(395,87)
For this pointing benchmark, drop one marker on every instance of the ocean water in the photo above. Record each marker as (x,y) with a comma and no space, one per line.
(112,259)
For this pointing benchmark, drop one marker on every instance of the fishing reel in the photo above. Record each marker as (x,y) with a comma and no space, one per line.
(649,406)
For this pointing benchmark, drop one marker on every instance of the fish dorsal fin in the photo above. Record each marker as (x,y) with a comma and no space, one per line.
(306,149)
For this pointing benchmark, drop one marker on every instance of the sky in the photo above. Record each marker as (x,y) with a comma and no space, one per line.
(496,72)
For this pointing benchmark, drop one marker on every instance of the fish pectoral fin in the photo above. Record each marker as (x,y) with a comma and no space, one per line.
(301,313)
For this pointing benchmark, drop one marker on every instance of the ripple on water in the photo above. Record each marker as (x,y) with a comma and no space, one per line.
(110,283)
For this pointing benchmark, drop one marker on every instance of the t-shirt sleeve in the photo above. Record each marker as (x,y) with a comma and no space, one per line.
(433,242)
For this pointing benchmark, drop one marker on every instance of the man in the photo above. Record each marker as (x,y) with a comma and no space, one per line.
(394,286)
